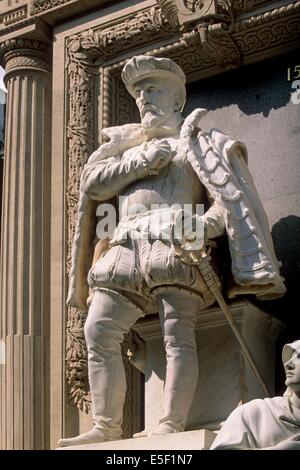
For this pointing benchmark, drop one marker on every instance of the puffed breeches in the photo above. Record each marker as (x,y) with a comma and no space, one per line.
(139,267)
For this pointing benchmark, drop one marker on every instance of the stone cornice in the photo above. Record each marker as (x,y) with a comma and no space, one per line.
(211,10)
(142,28)
(37,6)
(269,16)
(14,12)
(34,28)
(242,6)
(51,11)
(219,41)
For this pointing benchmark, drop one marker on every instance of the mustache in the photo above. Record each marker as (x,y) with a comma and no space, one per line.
(149,107)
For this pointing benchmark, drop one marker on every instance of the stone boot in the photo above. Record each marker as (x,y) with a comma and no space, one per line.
(91,437)
(178,310)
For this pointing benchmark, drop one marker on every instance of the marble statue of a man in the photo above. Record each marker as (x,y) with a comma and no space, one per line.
(269,424)
(158,164)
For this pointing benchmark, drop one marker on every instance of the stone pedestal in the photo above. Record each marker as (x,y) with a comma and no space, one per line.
(190,440)
(25,254)
(225,378)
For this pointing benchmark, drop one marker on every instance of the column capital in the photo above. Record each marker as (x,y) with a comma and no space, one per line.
(25,54)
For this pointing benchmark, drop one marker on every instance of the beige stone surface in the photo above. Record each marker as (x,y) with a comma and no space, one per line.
(225,378)
(190,440)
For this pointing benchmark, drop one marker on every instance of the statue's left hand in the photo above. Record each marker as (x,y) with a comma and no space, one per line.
(191,123)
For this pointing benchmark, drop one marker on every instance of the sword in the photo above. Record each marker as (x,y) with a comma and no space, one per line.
(213,283)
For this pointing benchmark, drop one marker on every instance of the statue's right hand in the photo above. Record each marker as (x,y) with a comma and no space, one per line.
(120,138)
(159,154)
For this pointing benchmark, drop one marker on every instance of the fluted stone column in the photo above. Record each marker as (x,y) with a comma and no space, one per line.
(25,247)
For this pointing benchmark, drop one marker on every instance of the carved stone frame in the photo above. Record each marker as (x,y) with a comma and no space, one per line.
(94,59)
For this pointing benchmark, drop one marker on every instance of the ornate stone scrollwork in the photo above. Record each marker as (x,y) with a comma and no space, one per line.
(76,361)
(214,33)
(23,53)
(271,28)
(80,137)
(194,10)
(239,6)
(169,11)
(142,28)
(19,60)
(23,43)
(38,6)
(208,24)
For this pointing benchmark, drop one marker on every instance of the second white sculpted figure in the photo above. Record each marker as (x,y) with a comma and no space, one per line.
(165,160)
(269,424)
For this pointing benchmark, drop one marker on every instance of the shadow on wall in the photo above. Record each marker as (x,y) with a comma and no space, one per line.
(255,89)
(286,237)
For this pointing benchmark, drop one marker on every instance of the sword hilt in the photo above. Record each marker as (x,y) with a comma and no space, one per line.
(208,273)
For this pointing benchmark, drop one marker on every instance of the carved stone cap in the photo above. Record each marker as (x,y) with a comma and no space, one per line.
(289,349)
(140,67)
